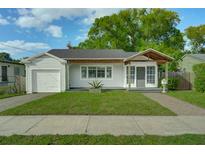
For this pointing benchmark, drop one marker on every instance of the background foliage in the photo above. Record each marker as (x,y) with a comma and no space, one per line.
(199,80)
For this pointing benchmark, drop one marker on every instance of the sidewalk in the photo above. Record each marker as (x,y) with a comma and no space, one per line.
(178,106)
(99,125)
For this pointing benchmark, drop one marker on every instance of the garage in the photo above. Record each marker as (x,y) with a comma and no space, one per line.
(46,81)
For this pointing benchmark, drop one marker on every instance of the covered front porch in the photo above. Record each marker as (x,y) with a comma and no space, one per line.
(141,70)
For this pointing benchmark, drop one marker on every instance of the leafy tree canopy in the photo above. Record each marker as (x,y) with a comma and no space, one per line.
(196,36)
(136,30)
(5,56)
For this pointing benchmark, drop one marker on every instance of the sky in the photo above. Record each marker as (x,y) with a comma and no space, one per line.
(26,32)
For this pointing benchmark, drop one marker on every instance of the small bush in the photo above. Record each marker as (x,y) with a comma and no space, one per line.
(96,84)
(199,81)
(172,83)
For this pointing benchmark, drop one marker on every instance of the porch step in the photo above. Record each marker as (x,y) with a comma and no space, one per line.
(146,90)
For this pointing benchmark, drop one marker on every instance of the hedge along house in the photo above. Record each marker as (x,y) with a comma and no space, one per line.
(62,69)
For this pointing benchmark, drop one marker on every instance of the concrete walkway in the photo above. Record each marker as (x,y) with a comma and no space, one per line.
(11,102)
(99,125)
(178,106)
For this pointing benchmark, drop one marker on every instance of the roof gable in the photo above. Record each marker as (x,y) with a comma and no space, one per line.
(200,57)
(28,60)
(152,54)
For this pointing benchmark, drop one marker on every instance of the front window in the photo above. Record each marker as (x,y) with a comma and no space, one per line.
(101,72)
(83,72)
(96,72)
(151,74)
(109,72)
(92,72)
(132,74)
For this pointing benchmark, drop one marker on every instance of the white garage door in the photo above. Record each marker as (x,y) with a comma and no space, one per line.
(46,81)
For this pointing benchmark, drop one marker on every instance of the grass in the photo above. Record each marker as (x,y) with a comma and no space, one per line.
(84,103)
(193,97)
(4,92)
(103,139)
(8,95)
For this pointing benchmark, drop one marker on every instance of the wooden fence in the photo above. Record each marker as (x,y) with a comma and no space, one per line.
(185,79)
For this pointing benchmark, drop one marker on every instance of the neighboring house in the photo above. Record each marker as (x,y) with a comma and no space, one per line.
(8,71)
(187,63)
(61,69)
(191,59)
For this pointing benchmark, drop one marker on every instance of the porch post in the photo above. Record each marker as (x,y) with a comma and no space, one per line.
(129,76)
(166,71)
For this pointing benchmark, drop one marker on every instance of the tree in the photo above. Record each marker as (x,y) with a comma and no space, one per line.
(136,30)
(5,56)
(196,36)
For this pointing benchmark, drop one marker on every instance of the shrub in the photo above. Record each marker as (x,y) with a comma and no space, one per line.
(199,81)
(96,84)
(172,83)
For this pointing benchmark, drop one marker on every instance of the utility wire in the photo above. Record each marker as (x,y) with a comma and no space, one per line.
(6,45)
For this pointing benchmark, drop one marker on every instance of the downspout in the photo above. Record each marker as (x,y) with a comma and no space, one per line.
(129,77)
(67,75)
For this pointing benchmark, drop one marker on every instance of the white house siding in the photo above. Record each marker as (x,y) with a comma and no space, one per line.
(45,63)
(117,80)
(10,71)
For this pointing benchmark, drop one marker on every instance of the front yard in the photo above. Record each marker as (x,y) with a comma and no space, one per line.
(85,103)
(193,97)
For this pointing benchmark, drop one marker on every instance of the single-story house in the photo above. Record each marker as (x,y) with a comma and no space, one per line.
(8,71)
(187,63)
(189,60)
(61,69)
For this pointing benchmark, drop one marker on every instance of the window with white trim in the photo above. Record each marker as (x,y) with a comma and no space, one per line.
(92,72)
(151,74)
(100,72)
(96,72)
(83,72)
(109,72)
(132,74)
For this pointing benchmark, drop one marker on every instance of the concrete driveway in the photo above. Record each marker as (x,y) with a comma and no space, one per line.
(99,125)
(11,102)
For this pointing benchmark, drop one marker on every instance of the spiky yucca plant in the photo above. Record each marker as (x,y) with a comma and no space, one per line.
(96,84)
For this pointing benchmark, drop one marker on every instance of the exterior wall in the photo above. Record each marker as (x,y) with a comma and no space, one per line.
(143,64)
(117,80)
(10,71)
(188,62)
(45,63)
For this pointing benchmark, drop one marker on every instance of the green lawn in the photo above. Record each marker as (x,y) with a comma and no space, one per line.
(192,97)
(78,103)
(8,95)
(103,139)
